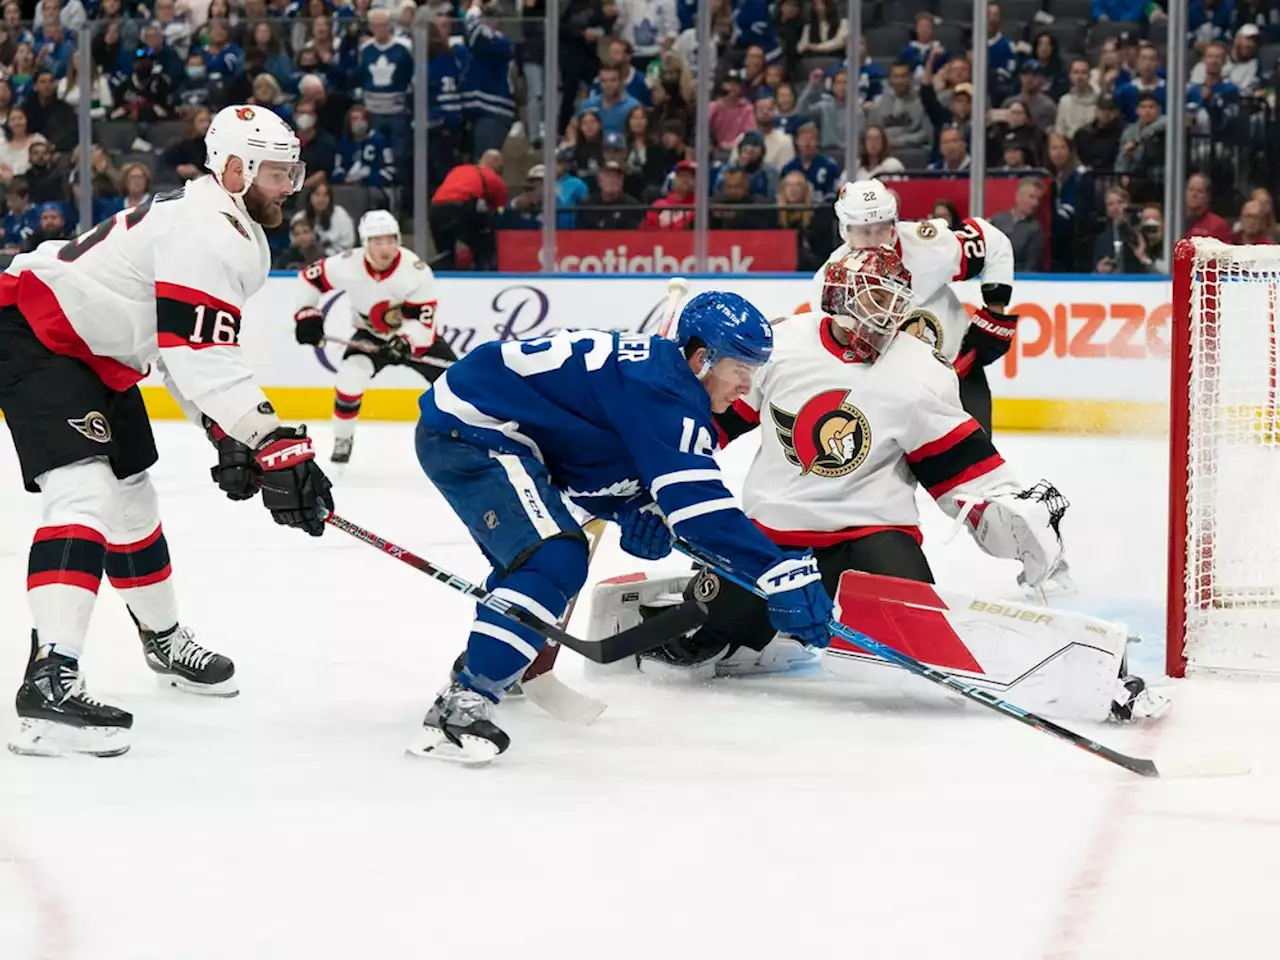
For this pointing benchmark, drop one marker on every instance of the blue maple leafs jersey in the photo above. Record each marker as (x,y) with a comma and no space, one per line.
(612,415)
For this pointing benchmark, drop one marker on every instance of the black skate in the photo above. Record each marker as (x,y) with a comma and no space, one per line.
(514,692)
(459,727)
(182,663)
(342,450)
(59,718)
(1136,701)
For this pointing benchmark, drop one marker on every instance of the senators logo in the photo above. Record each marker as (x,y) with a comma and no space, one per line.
(244,113)
(385,317)
(94,426)
(923,325)
(827,436)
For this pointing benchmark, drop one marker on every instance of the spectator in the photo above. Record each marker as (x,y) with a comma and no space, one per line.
(386,71)
(319,150)
(1014,154)
(1208,20)
(15,152)
(1013,125)
(586,136)
(1215,100)
(754,27)
(732,205)
(17,30)
(673,141)
(675,210)
(625,210)
(581,27)
(48,183)
(612,104)
(788,118)
(334,228)
(1078,105)
(778,148)
(166,57)
(824,32)
(331,106)
(268,95)
(1040,108)
(22,219)
(462,209)
(722,29)
(754,71)
(222,58)
(444,105)
(53,226)
(1242,68)
(646,158)
(105,182)
(1263,197)
(775,75)
(22,71)
(571,190)
(48,115)
(1152,229)
(875,156)
(649,26)
(871,77)
(790,28)
(1121,10)
(53,48)
(946,210)
(762,179)
(194,90)
(364,156)
(829,111)
(187,155)
(731,115)
(796,212)
(524,212)
(953,152)
(177,30)
(1044,50)
(135,183)
(673,94)
(900,112)
(1001,60)
(615,149)
(1106,75)
(1142,143)
(957,73)
(1263,14)
(1098,143)
(1022,225)
(147,95)
(821,172)
(303,250)
(635,83)
(1147,81)
(275,58)
(1072,195)
(1119,248)
(1253,228)
(958,113)
(1201,221)
(923,51)
(324,45)
(6,100)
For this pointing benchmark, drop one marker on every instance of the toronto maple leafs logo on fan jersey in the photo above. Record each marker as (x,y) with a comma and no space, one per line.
(827,436)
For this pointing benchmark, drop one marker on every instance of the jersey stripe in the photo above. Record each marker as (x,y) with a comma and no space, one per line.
(194,297)
(830,538)
(521,646)
(961,455)
(683,476)
(527,602)
(700,509)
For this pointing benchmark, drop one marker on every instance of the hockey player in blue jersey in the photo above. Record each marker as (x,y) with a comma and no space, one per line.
(621,425)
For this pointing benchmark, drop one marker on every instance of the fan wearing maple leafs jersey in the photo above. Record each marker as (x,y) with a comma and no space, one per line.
(80,324)
(392,296)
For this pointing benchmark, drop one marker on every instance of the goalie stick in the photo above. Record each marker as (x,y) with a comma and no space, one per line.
(654,632)
(370,348)
(1217,764)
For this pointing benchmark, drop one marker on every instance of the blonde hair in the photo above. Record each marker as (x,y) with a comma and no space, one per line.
(795,219)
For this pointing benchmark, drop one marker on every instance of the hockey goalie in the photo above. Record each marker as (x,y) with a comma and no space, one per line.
(853,417)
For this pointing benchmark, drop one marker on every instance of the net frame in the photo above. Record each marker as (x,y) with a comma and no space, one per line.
(1223,612)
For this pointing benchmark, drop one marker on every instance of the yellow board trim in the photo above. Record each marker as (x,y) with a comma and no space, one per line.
(1008,413)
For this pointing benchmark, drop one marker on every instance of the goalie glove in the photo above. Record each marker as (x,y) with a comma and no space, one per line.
(1020,525)
(309,326)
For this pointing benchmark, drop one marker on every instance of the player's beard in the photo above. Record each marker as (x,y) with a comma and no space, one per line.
(266,212)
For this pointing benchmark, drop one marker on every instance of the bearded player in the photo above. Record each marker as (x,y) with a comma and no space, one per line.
(393,305)
(854,416)
(80,324)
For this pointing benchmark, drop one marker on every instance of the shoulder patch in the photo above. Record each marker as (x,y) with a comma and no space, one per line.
(347,253)
(925,326)
(235,222)
(926,230)
(937,355)
(419,265)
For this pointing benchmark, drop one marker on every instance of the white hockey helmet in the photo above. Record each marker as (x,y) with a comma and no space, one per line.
(378,223)
(255,134)
(863,203)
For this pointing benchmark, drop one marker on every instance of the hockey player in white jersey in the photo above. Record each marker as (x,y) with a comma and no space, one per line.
(80,324)
(853,416)
(392,296)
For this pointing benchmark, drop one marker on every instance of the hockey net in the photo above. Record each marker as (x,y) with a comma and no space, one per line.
(1224,561)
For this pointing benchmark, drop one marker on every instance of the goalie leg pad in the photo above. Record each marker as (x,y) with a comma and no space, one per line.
(620,603)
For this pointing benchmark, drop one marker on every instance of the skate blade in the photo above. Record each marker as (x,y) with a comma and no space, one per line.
(226,689)
(43,738)
(434,745)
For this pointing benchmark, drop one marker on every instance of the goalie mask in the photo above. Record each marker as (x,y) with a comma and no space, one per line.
(867,293)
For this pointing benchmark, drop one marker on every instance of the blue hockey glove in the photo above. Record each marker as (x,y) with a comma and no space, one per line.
(798,603)
(644,532)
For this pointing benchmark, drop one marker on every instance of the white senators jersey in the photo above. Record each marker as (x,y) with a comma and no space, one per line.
(165,282)
(941,322)
(844,443)
(381,303)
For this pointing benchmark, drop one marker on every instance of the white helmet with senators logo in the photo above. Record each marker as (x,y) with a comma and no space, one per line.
(863,204)
(378,223)
(868,294)
(256,135)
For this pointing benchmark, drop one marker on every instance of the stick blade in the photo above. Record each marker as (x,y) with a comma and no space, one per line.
(562,701)
(1216,763)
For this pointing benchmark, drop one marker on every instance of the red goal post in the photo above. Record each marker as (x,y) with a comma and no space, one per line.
(1224,461)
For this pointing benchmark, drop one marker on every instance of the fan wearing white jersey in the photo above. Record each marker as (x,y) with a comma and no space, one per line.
(853,417)
(80,324)
(392,295)
(937,256)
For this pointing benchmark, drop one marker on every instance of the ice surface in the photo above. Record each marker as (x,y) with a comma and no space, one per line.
(780,818)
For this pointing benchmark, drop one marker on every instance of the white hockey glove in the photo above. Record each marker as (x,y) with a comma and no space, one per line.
(1020,525)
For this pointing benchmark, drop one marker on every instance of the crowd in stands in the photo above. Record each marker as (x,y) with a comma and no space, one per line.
(1075,113)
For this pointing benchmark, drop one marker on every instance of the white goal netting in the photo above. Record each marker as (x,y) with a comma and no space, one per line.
(1225,422)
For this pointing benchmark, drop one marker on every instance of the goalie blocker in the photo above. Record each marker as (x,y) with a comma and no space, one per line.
(1054,662)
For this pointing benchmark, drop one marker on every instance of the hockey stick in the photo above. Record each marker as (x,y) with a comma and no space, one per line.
(541,685)
(677,290)
(370,348)
(1219,764)
(653,633)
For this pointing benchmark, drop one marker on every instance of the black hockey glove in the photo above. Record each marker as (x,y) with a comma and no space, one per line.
(237,473)
(987,340)
(293,485)
(397,348)
(309,326)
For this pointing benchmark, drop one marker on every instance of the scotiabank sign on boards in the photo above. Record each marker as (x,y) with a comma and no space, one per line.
(649,251)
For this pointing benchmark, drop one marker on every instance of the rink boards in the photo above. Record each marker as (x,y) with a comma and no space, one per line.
(1091,354)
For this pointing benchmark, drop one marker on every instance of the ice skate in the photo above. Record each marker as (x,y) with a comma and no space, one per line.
(459,727)
(342,450)
(182,663)
(514,692)
(1136,701)
(59,718)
